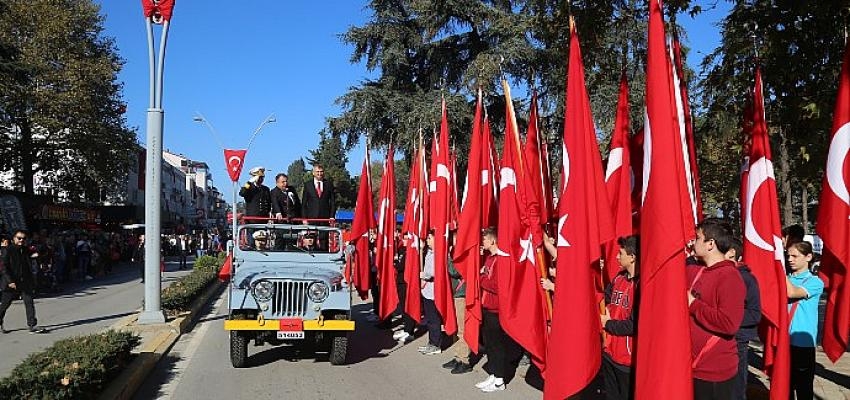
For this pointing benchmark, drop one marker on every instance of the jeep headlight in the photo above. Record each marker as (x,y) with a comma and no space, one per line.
(263,290)
(317,292)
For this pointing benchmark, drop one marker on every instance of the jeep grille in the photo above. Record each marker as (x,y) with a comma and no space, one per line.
(290,298)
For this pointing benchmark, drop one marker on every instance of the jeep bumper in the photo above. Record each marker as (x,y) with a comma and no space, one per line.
(287,325)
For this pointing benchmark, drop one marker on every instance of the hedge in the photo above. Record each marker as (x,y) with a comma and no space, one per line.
(75,368)
(178,296)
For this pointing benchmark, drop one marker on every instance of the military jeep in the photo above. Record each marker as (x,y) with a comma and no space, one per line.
(287,288)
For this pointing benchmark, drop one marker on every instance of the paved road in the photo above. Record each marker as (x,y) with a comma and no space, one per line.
(82,308)
(199,367)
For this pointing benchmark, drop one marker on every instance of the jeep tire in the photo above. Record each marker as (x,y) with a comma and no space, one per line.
(238,349)
(339,349)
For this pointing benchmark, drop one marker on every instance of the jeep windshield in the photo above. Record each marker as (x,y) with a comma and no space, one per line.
(284,238)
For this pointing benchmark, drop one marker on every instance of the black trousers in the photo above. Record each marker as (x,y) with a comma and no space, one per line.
(739,391)
(705,390)
(375,292)
(6,300)
(407,322)
(503,352)
(618,379)
(433,321)
(802,372)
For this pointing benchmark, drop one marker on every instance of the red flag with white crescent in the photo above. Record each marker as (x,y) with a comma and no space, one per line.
(415,229)
(385,246)
(440,220)
(522,303)
(664,366)
(618,180)
(585,224)
(763,250)
(364,221)
(234,160)
(834,223)
(686,130)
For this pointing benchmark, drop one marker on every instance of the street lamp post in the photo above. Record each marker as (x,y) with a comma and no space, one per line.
(156,12)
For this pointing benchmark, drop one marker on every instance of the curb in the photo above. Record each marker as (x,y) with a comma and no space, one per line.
(150,352)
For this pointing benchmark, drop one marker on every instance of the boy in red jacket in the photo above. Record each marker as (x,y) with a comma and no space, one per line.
(619,322)
(716,306)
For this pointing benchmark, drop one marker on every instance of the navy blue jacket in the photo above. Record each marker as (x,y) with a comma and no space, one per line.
(752,307)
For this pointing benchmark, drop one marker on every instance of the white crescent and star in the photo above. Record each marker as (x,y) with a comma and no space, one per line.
(647,155)
(615,161)
(838,148)
(760,172)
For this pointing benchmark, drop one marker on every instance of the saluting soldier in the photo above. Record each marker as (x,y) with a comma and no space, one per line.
(257,196)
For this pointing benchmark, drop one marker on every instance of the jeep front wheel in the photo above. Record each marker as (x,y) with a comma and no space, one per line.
(238,349)
(339,349)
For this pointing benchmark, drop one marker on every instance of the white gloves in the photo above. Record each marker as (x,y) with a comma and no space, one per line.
(254,179)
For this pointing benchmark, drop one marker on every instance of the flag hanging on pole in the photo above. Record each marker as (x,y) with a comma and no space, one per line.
(663,364)
(467,256)
(440,220)
(385,246)
(364,221)
(833,223)
(538,164)
(765,255)
(618,180)
(415,229)
(584,225)
(686,129)
(522,305)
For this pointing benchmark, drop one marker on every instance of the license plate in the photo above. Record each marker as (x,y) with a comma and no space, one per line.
(290,335)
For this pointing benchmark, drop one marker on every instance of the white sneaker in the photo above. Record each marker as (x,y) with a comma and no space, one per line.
(432,350)
(404,335)
(399,334)
(487,382)
(496,386)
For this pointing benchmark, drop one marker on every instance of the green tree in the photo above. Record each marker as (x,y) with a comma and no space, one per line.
(296,172)
(65,115)
(331,155)
(799,49)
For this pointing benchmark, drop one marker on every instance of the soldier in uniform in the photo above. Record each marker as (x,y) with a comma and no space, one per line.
(257,196)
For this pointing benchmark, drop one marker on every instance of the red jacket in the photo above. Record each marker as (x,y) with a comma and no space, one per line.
(717,311)
(489,285)
(620,296)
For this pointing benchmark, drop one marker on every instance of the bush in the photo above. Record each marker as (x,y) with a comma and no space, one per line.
(178,297)
(74,368)
(206,261)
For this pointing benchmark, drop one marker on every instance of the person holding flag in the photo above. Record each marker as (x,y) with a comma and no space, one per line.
(716,307)
(619,322)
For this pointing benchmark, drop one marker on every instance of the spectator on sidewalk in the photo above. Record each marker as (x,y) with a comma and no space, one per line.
(16,279)
(83,251)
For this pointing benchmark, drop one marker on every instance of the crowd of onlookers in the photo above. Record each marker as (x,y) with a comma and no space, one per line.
(65,256)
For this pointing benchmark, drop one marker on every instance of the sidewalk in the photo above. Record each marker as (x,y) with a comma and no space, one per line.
(832,381)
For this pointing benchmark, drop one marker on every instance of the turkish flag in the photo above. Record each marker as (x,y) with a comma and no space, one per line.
(234,160)
(364,220)
(164,8)
(833,226)
(663,365)
(226,271)
(385,247)
(538,164)
(618,180)
(686,130)
(489,173)
(522,305)
(453,202)
(440,214)
(415,229)
(467,255)
(763,250)
(584,225)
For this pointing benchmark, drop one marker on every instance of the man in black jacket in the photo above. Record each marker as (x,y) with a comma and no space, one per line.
(752,316)
(318,196)
(16,279)
(285,202)
(257,196)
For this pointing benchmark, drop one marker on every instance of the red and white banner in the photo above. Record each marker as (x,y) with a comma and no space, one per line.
(440,214)
(234,160)
(584,225)
(618,180)
(834,223)
(663,366)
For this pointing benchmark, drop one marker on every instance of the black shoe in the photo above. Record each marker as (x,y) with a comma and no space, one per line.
(461,368)
(451,364)
(3,330)
(36,329)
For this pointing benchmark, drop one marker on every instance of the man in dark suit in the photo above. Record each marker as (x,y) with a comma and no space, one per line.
(318,196)
(16,279)
(285,202)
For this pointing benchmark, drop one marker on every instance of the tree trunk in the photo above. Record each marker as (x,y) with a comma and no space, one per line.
(783,176)
(25,145)
(805,208)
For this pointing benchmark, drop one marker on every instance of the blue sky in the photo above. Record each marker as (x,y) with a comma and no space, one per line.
(236,62)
